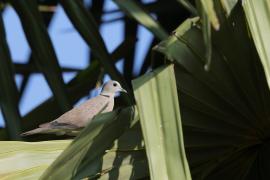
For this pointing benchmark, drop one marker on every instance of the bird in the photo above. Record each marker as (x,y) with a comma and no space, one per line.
(80,116)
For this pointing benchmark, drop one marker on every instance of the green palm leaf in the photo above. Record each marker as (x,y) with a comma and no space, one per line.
(258,15)
(224,111)
(156,98)
(8,90)
(25,160)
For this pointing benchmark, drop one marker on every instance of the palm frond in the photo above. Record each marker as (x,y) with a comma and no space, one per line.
(134,9)
(25,160)
(84,22)
(156,98)
(257,14)
(9,95)
(42,49)
(224,111)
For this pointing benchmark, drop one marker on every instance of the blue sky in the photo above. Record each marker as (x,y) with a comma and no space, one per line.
(71,50)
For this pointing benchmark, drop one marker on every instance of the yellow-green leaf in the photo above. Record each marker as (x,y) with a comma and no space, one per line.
(258,17)
(28,160)
(208,6)
(157,102)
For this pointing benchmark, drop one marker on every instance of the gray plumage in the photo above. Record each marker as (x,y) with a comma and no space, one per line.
(78,117)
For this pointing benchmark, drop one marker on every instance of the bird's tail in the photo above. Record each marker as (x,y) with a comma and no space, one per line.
(34,131)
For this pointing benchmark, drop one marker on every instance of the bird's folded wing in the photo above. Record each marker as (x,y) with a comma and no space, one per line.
(56,125)
(79,116)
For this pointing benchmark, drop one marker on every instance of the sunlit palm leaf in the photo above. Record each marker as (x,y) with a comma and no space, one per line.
(208,7)
(228,5)
(156,98)
(258,15)
(23,160)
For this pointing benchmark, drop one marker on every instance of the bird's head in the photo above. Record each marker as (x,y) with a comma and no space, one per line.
(112,87)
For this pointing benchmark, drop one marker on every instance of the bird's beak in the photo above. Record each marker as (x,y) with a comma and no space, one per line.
(123,90)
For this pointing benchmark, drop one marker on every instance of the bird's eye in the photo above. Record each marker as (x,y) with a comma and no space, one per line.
(114,84)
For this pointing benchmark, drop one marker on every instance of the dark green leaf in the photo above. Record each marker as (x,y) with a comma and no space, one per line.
(8,90)
(207,40)
(85,24)
(142,16)
(3,134)
(188,6)
(42,49)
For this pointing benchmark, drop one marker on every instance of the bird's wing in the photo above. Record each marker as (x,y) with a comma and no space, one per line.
(80,116)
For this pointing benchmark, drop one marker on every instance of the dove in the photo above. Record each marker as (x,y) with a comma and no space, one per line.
(78,117)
